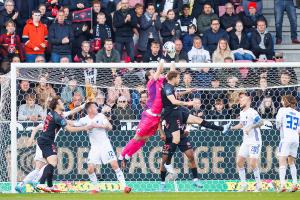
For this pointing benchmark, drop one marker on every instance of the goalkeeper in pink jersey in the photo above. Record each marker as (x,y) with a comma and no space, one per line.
(150,119)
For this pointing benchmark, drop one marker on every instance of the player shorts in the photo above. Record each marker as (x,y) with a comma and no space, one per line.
(250,150)
(101,154)
(39,154)
(176,119)
(148,125)
(288,149)
(48,148)
(183,145)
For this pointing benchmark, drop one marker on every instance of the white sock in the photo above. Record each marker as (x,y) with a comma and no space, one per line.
(163,182)
(30,177)
(282,172)
(169,168)
(242,175)
(120,176)
(93,178)
(257,176)
(40,174)
(294,173)
(195,179)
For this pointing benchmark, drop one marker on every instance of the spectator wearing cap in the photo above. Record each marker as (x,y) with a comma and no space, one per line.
(31,111)
(279,7)
(262,42)
(250,19)
(259,94)
(61,37)
(185,20)
(188,38)
(124,22)
(205,18)
(149,29)
(170,28)
(229,19)
(223,51)
(85,53)
(198,54)
(35,35)
(212,36)
(259,5)
(10,13)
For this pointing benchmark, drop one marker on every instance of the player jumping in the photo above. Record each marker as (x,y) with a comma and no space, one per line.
(250,123)
(101,151)
(287,121)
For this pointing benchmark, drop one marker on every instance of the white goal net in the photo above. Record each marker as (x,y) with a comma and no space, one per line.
(118,89)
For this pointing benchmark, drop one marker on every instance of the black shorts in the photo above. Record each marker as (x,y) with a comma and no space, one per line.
(47,147)
(183,145)
(176,119)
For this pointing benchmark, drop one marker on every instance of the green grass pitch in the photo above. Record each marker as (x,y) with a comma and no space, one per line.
(155,196)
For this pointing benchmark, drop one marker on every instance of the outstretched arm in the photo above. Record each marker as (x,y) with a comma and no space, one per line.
(75,110)
(237,127)
(159,70)
(176,102)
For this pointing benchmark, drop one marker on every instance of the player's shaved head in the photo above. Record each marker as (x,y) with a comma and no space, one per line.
(289,101)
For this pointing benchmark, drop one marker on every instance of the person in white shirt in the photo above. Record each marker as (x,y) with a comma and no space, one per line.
(250,123)
(101,151)
(198,54)
(287,121)
(30,111)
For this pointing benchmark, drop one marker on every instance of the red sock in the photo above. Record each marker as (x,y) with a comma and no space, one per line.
(137,146)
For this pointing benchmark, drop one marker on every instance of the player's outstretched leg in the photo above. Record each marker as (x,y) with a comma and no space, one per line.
(120,176)
(293,170)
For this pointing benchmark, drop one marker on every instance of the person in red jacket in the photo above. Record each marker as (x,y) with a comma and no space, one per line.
(34,35)
(10,43)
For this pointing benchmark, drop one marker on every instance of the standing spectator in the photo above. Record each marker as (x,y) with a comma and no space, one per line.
(85,53)
(279,7)
(185,20)
(198,54)
(212,36)
(204,20)
(81,32)
(101,31)
(149,29)
(10,13)
(118,89)
(97,8)
(262,42)
(108,54)
(61,37)
(229,19)
(69,90)
(166,5)
(170,28)
(10,44)
(124,22)
(138,13)
(31,111)
(239,42)
(223,51)
(34,35)
(44,19)
(79,4)
(188,38)
(23,90)
(267,108)
(259,5)
(154,55)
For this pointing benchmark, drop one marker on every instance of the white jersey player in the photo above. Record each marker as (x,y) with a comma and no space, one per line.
(101,151)
(40,162)
(287,121)
(250,123)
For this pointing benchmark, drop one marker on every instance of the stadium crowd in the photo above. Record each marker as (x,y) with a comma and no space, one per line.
(135,31)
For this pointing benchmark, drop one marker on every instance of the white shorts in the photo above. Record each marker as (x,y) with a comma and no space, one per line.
(250,150)
(39,154)
(101,154)
(288,149)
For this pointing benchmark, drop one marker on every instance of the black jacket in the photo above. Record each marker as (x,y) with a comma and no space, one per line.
(123,30)
(228,21)
(56,33)
(234,42)
(210,39)
(177,6)
(268,41)
(166,30)
(250,22)
(80,35)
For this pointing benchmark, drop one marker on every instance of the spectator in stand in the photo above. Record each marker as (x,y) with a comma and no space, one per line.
(9,13)
(267,108)
(124,22)
(15,59)
(138,13)
(64,59)
(279,7)
(250,19)
(108,54)
(31,111)
(51,8)
(10,44)
(170,28)
(203,77)
(85,53)
(212,36)
(68,14)
(100,100)
(198,54)
(69,90)
(262,42)
(97,8)
(118,89)
(44,19)
(205,18)
(259,5)
(39,59)
(82,33)
(154,55)
(121,112)
(35,36)
(180,53)
(198,109)
(149,29)
(239,43)
(225,73)
(77,100)
(185,20)
(229,19)
(259,94)
(188,38)
(61,37)
(79,4)
(23,90)
(166,5)
(223,51)
(219,111)
(44,92)
(139,107)
(133,3)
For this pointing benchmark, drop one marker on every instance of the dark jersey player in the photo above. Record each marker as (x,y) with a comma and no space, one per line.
(177,116)
(53,122)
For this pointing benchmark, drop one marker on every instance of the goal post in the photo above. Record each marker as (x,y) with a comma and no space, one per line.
(214,152)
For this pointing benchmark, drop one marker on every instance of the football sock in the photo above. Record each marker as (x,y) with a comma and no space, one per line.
(30,177)
(194,173)
(172,150)
(38,177)
(294,173)
(120,176)
(242,175)
(45,174)
(282,172)
(211,125)
(163,176)
(50,176)
(93,178)
(257,176)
